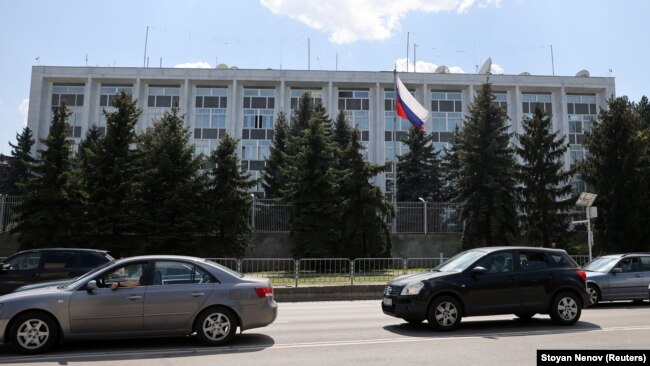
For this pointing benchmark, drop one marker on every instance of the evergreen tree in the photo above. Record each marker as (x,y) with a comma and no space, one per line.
(342,130)
(229,200)
(274,177)
(613,169)
(643,109)
(21,162)
(313,191)
(170,187)
(486,186)
(86,167)
(451,166)
(364,232)
(43,216)
(419,171)
(545,187)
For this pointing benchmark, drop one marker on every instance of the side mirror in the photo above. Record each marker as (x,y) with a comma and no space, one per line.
(479,271)
(91,286)
(617,270)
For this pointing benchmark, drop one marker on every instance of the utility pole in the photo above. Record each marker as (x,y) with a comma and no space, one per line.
(408,34)
(146,38)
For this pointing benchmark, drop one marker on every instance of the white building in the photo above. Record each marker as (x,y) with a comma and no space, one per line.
(245,103)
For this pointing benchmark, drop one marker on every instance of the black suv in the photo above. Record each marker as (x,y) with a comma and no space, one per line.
(40,265)
(490,281)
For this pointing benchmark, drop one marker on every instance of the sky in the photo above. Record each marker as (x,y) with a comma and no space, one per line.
(542,37)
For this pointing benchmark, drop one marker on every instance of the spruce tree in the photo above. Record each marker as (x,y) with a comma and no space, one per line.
(274,177)
(545,186)
(313,191)
(364,232)
(170,209)
(43,216)
(419,173)
(486,186)
(21,162)
(451,167)
(342,130)
(612,169)
(229,201)
(643,109)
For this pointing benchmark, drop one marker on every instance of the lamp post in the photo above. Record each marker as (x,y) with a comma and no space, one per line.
(425,214)
(586,200)
(253,212)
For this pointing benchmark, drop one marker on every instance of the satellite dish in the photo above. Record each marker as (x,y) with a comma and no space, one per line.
(442,69)
(582,74)
(222,66)
(525,73)
(234,68)
(487,65)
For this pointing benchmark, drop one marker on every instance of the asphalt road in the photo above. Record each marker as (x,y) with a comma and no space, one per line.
(358,333)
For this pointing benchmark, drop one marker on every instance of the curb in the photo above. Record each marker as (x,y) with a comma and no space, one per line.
(328,293)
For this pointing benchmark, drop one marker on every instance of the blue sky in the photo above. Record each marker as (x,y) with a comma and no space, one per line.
(607,38)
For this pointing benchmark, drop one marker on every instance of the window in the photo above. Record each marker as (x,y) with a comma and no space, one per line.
(58,260)
(497,262)
(180,273)
(446,108)
(73,97)
(23,262)
(501,100)
(160,99)
(533,261)
(582,114)
(356,105)
(316,96)
(209,118)
(132,273)
(106,98)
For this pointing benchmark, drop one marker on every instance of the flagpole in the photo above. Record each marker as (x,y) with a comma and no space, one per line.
(394,157)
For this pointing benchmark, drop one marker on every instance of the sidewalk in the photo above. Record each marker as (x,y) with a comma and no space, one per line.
(328,293)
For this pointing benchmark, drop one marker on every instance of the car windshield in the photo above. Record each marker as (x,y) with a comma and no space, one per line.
(225,269)
(83,277)
(460,262)
(602,264)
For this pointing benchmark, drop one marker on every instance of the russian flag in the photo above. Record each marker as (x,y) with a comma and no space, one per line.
(408,107)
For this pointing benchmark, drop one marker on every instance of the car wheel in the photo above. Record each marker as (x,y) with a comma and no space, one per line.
(524,316)
(594,294)
(565,308)
(33,333)
(444,313)
(216,326)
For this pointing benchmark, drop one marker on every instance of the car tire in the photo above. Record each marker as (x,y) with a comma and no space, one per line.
(216,326)
(444,313)
(33,333)
(594,294)
(524,316)
(565,308)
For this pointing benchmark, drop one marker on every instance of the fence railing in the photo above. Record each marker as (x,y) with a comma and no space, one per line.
(269,215)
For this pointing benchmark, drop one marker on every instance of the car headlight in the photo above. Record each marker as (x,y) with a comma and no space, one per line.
(412,289)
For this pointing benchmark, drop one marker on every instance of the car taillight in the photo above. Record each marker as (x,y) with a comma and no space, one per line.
(582,274)
(264,291)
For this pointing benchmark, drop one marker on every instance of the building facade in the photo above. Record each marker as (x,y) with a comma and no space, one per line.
(245,103)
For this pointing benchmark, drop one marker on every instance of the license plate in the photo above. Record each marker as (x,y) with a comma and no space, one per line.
(388,302)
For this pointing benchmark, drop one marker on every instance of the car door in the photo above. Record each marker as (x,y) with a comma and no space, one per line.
(177,293)
(645,273)
(496,292)
(19,270)
(535,280)
(107,310)
(627,284)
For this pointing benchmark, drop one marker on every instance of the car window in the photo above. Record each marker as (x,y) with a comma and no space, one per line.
(531,261)
(132,273)
(629,264)
(179,273)
(58,260)
(645,263)
(91,259)
(23,262)
(600,264)
(497,262)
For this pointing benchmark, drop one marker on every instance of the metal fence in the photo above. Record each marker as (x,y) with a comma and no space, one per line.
(8,206)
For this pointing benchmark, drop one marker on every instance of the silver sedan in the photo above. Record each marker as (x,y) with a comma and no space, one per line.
(147,296)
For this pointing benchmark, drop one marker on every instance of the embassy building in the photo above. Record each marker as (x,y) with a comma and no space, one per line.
(245,103)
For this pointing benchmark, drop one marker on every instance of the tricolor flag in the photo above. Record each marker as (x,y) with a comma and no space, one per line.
(408,107)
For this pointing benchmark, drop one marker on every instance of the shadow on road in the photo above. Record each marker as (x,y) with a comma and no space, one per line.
(138,349)
(619,305)
(493,328)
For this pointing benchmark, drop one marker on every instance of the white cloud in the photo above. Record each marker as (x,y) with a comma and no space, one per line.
(496,69)
(194,65)
(23,108)
(424,66)
(348,21)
